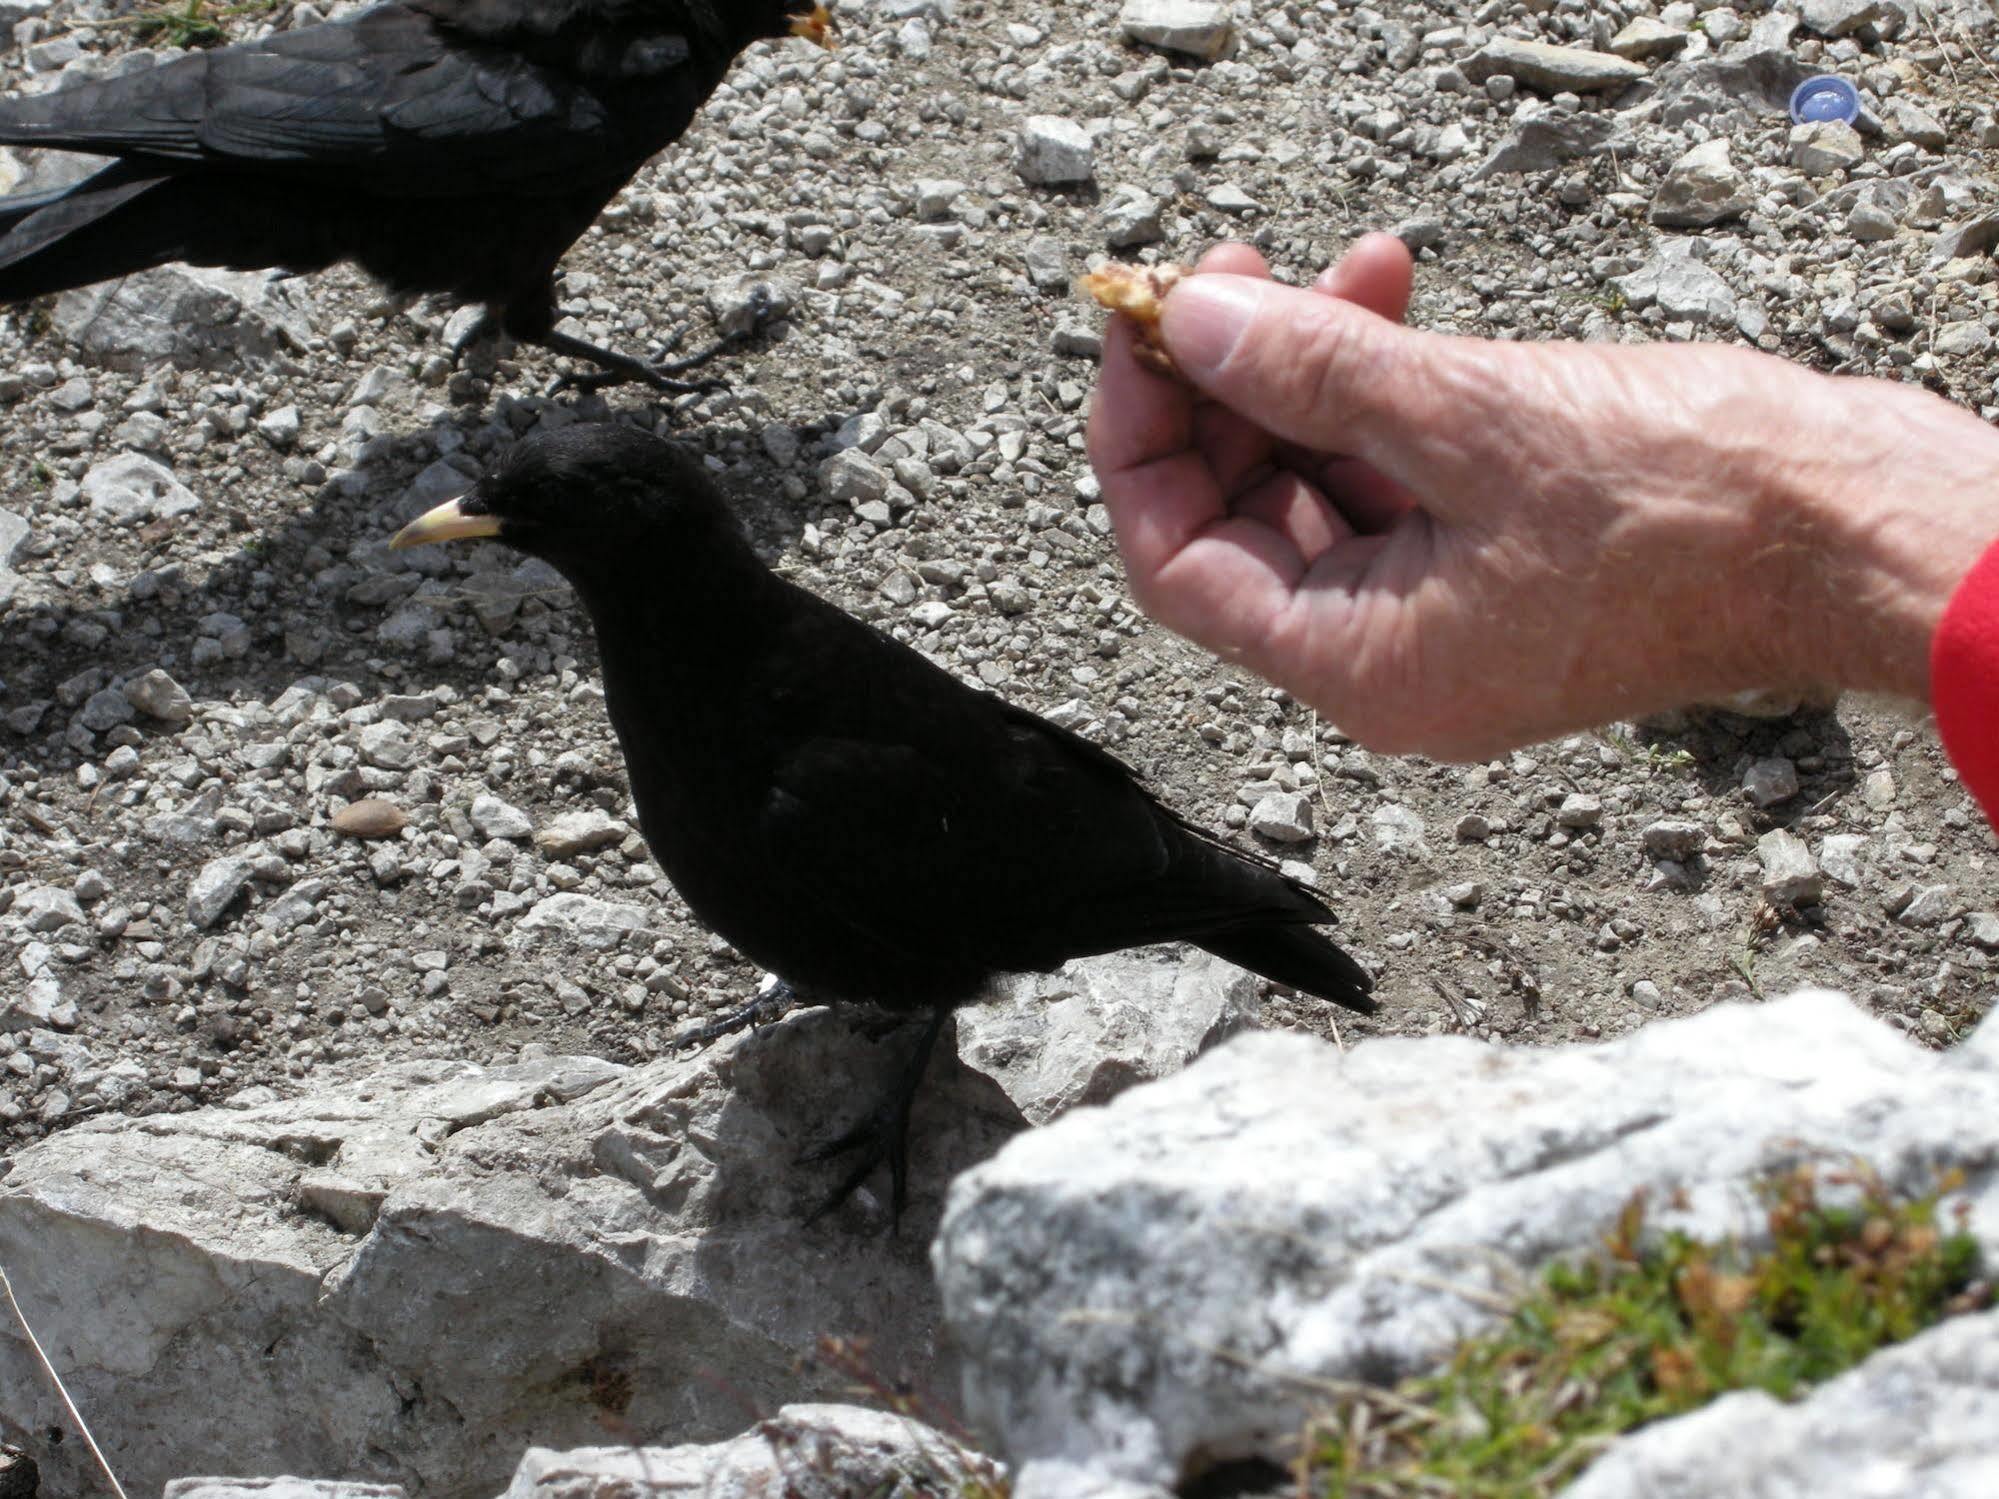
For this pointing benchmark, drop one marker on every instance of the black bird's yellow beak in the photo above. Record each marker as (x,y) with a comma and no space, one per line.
(448,522)
(816,28)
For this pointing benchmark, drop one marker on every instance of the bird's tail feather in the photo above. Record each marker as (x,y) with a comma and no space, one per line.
(17,207)
(52,241)
(1298,956)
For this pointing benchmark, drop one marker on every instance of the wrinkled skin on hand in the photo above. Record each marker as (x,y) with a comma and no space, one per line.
(1453,547)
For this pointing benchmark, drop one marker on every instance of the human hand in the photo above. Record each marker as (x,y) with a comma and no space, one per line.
(1453,546)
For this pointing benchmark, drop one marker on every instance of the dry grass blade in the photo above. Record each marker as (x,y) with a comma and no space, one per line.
(55,1379)
(1930,24)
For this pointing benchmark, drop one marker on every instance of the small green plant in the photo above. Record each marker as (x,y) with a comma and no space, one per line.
(37,317)
(1744,964)
(191,23)
(1644,1331)
(183,25)
(1648,755)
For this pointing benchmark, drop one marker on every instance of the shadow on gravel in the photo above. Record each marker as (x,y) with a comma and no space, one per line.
(1718,749)
(319,593)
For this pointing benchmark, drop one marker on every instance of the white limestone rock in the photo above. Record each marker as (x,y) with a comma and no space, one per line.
(189,316)
(583,832)
(1791,876)
(215,888)
(1051,151)
(278,1488)
(1680,284)
(418,1272)
(1085,1033)
(1703,187)
(1197,28)
(1645,38)
(131,488)
(803,1452)
(158,695)
(1357,1215)
(1845,17)
(599,925)
(1821,147)
(1549,69)
(14,532)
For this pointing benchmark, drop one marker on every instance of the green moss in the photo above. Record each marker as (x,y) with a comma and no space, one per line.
(1642,1331)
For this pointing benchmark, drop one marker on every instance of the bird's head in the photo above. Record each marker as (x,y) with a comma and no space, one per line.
(745,19)
(586,498)
(730,24)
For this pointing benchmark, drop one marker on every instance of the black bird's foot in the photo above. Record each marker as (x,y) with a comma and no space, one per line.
(767,1006)
(882,1136)
(614,368)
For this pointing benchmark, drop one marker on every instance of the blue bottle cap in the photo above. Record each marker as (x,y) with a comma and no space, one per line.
(1825,98)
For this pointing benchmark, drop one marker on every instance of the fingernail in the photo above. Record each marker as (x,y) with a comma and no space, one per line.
(1205,318)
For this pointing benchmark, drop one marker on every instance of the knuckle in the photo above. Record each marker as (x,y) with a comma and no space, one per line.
(1328,364)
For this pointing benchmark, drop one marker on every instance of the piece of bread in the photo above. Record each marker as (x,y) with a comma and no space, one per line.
(1137,291)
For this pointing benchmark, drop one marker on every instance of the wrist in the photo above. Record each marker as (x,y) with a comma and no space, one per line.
(1894,503)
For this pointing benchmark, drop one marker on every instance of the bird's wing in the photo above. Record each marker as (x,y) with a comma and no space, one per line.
(389,94)
(899,830)
(1186,878)
(1028,851)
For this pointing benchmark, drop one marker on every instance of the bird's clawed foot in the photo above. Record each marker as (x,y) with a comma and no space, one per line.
(766,1007)
(614,368)
(882,1136)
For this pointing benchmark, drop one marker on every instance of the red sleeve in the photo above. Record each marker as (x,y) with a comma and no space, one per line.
(1964,681)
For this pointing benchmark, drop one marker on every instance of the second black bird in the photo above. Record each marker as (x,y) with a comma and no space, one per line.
(455,146)
(845,813)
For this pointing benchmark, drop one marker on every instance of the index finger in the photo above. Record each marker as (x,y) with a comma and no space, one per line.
(1136,416)
(1214,577)
(1157,486)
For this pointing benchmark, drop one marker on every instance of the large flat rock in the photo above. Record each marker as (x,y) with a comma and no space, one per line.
(415,1274)
(417,1277)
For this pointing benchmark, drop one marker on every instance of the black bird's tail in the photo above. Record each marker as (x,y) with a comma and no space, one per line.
(20,205)
(1300,957)
(52,241)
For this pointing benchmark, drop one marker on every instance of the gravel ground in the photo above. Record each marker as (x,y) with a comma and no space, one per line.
(209,653)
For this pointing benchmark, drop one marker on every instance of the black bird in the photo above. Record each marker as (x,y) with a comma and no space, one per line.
(456,146)
(846,814)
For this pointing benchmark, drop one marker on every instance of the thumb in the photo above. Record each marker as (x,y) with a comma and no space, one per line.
(1314,370)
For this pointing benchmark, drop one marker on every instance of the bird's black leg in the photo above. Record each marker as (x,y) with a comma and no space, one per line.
(490,325)
(770,1004)
(883,1134)
(614,368)
(531,317)
(760,308)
